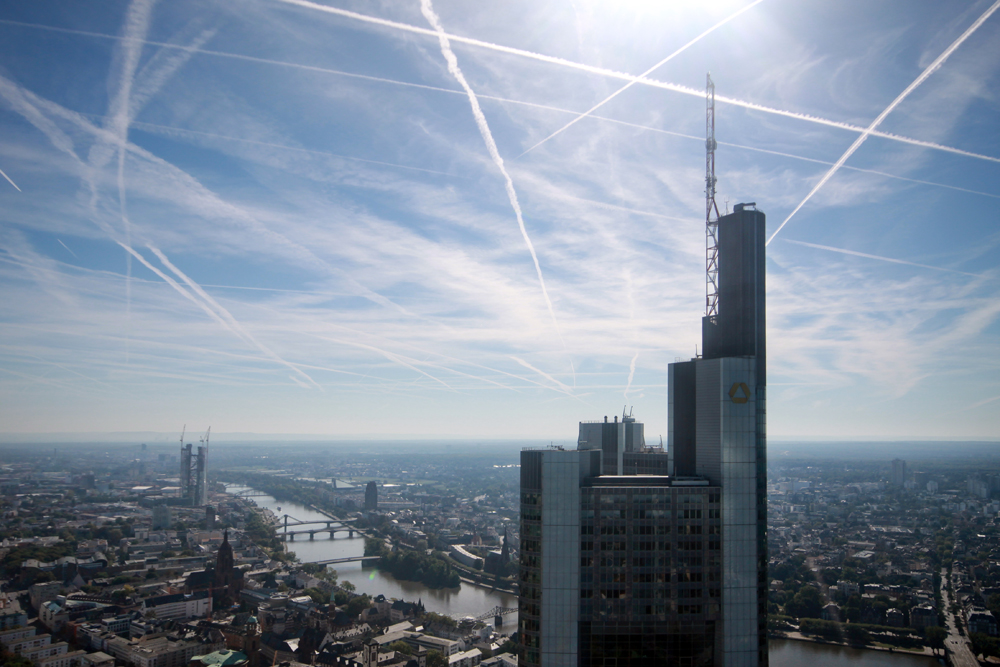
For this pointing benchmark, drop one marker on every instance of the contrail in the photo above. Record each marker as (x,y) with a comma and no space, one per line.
(213,314)
(388,355)
(169,129)
(491,146)
(642,76)
(173,283)
(849,168)
(933,67)
(19,98)
(981,403)
(545,375)
(880,258)
(631,374)
(234,324)
(136,27)
(9,181)
(600,71)
(67,248)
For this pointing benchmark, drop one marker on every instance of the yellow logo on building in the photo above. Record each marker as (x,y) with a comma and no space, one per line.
(739,392)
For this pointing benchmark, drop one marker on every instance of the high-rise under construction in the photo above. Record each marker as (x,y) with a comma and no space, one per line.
(194,474)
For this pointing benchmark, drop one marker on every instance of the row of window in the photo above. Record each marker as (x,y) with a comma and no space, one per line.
(607,610)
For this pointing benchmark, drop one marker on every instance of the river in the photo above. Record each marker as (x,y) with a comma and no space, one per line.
(467,600)
(471,600)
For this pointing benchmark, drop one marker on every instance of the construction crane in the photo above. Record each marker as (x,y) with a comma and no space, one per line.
(711,225)
(183,431)
(204,438)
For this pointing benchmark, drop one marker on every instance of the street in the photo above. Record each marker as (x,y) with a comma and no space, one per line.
(956,645)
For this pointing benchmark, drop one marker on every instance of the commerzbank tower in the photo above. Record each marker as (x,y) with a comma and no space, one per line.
(631,555)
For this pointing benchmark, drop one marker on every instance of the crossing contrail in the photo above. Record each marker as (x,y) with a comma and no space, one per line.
(491,146)
(560,385)
(232,323)
(136,26)
(600,71)
(880,258)
(641,76)
(395,358)
(211,312)
(933,67)
(171,130)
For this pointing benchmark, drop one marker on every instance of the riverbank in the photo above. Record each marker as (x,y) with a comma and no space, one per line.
(799,637)
(468,600)
(485,587)
(792,653)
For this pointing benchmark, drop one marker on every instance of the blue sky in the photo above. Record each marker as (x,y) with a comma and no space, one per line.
(272,217)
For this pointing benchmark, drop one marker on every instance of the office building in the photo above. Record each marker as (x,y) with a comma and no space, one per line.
(633,556)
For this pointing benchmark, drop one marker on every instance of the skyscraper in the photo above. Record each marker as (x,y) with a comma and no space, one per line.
(633,556)
(717,429)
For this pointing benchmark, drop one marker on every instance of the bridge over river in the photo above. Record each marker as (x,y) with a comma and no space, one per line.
(292,527)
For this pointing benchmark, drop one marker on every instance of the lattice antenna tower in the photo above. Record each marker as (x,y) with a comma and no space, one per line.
(711,224)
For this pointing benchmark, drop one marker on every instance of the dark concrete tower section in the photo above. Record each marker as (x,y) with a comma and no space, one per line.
(739,328)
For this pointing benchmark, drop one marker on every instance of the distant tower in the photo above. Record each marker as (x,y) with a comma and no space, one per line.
(194,472)
(161,517)
(199,486)
(186,471)
(371,496)
(369,652)
(251,643)
(898,473)
(209,517)
(225,565)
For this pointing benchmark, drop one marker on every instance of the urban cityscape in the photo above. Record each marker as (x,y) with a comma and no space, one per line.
(105,560)
(499,376)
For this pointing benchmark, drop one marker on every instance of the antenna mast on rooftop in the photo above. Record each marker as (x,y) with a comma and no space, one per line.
(711,225)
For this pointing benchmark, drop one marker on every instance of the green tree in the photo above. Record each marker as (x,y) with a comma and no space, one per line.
(935,636)
(399,646)
(983,644)
(806,603)
(436,659)
(318,596)
(857,635)
(357,605)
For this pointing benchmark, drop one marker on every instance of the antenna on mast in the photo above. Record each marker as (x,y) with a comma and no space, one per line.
(711,226)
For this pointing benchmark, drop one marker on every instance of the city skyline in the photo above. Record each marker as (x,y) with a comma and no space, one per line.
(282,219)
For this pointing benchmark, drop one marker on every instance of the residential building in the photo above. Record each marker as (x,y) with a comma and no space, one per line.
(178,605)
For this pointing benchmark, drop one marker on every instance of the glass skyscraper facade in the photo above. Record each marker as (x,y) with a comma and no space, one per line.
(635,556)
